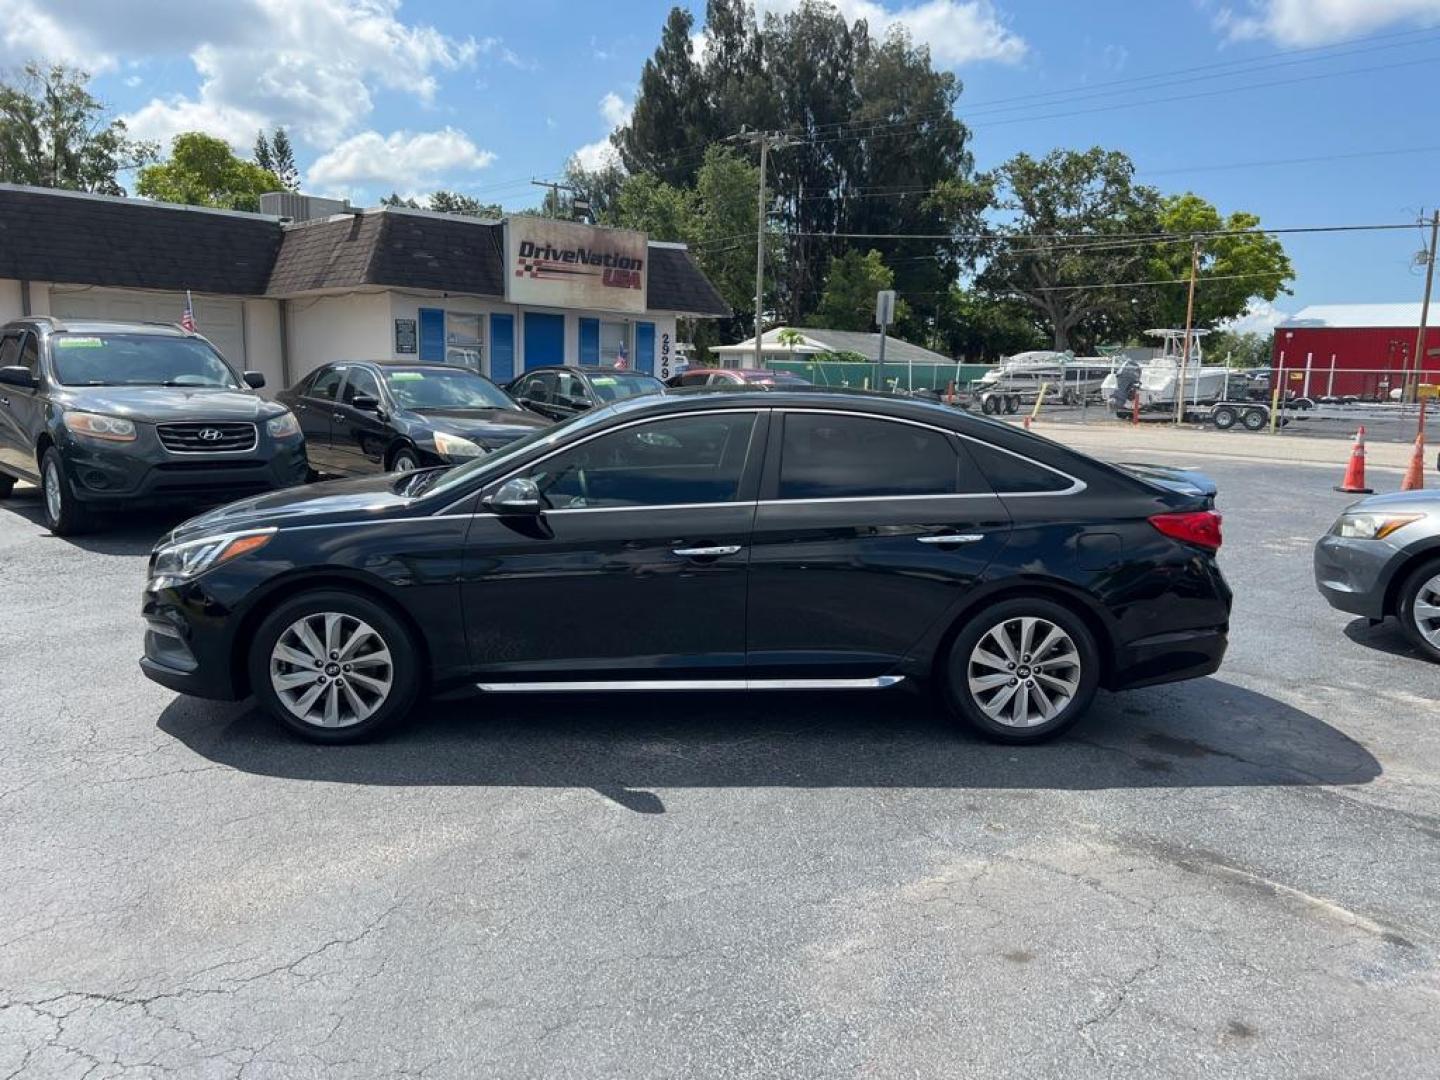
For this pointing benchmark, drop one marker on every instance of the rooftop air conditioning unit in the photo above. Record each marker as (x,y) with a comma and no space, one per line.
(297,207)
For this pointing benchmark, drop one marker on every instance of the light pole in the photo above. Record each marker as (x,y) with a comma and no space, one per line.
(765,140)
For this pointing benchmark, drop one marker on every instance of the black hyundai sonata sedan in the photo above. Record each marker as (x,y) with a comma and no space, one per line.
(750,540)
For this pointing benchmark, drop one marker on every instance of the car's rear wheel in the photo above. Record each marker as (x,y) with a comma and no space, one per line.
(64,515)
(1224,417)
(1254,419)
(334,667)
(1419,608)
(1022,671)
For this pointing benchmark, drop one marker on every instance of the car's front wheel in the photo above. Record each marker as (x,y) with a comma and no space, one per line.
(64,515)
(1419,608)
(1022,671)
(334,667)
(404,460)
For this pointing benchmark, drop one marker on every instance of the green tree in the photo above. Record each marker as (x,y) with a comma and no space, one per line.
(977,327)
(262,154)
(396,200)
(284,160)
(669,123)
(55,133)
(451,202)
(202,171)
(1239,350)
(848,302)
(1067,244)
(1234,270)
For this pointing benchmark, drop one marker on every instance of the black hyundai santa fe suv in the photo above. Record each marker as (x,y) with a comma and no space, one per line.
(115,414)
(747,540)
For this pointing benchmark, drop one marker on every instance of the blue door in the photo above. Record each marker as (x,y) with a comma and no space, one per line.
(432,335)
(590,341)
(502,348)
(544,339)
(645,347)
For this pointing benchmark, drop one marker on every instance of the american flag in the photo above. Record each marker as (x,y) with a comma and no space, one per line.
(187,317)
(621,360)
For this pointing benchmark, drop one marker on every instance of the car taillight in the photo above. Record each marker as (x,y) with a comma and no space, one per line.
(1199,527)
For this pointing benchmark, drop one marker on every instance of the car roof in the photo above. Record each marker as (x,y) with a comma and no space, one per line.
(582,369)
(51,324)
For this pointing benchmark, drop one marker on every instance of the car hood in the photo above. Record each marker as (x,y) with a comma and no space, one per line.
(483,425)
(1412,502)
(165,403)
(363,499)
(1181,479)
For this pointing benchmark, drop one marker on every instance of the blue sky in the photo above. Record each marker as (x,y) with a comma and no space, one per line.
(481,96)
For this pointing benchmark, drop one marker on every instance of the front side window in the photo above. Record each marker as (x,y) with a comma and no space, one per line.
(29,357)
(827,456)
(326,385)
(570,388)
(688,459)
(9,350)
(138,360)
(360,383)
(538,387)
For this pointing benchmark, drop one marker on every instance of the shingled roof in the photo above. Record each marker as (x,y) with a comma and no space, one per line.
(58,236)
(50,235)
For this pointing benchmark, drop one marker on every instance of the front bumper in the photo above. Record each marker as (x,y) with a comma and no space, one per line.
(126,474)
(187,644)
(1352,575)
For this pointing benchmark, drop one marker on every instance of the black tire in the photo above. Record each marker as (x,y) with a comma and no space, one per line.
(1254,419)
(1069,397)
(989,405)
(406,677)
(1410,593)
(962,702)
(68,517)
(7,485)
(1012,405)
(1224,418)
(404,460)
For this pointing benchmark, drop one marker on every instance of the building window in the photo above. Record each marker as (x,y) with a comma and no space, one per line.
(464,343)
(615,339)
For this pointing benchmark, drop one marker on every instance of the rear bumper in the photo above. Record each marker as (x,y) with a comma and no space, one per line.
(1167,658)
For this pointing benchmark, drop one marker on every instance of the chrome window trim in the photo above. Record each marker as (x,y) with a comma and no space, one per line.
(754,410)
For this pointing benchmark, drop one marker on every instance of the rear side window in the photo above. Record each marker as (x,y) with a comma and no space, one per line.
(9,350)
(825,456)
(1009,474)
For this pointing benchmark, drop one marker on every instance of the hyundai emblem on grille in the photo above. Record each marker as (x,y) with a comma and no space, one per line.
(210,434)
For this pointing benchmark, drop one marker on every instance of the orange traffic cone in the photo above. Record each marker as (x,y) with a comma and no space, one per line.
(1354,482)
(1415,471)
(950,393)
(1027,423)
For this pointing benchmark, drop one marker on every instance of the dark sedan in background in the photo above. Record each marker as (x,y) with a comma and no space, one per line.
(562,392)
(755,540)
(370,417)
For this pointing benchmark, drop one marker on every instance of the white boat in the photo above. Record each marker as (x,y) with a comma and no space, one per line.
(1069,377)
(1159,380)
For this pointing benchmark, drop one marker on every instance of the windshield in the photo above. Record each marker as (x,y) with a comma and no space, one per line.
(497,460)
(621,384)
(431,389)
(138,360)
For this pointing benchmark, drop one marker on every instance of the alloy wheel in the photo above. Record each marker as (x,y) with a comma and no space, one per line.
(1426,611)
(404,463)
(53,495)
(1024,671)
(331,670)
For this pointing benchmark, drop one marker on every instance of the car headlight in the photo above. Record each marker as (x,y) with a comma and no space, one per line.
(283,426)
(452,446)
(99,426)
(174,564)
(1371,526)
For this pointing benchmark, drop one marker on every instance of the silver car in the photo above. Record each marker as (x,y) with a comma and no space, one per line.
(1381,558)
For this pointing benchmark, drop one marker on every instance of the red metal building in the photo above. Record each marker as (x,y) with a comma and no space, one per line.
(1365,350)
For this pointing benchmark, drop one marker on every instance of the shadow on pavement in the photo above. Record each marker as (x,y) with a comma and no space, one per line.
(1203,734)
(115,532)
(1386,637)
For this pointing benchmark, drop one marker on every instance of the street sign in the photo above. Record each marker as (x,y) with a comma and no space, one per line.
(885,307)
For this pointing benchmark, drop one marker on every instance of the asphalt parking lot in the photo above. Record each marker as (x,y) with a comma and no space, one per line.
(1229,878)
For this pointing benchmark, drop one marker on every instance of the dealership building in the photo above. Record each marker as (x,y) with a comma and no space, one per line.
(324,282)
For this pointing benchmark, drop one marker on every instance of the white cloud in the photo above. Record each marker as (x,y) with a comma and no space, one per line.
(615,111)
(1262,317)
(957,31)
(164,118)
(1321,22)
(31,30)
(412,160)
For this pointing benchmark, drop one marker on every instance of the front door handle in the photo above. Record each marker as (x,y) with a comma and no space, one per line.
(337,416)
(951,538)
(707,552)
(5,401)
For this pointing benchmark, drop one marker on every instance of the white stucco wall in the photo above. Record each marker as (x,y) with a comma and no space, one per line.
(262,343)
(10,306)
(322,329)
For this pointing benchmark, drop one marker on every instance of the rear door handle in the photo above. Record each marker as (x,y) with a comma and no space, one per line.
(707,552)
(951,538)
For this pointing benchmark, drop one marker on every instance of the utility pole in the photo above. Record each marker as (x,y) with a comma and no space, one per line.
(555,189)
(1418,357)
(1189,335)
(766,140)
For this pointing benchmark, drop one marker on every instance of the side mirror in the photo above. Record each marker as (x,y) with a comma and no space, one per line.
(365,403)
(517,495)
(580,403)
(15,375)
(254,379)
